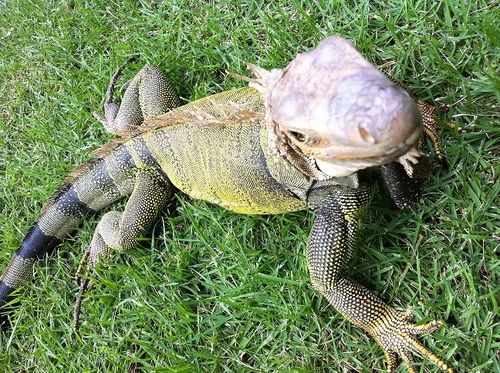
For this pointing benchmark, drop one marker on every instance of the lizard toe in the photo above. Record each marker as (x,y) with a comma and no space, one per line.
(397,335)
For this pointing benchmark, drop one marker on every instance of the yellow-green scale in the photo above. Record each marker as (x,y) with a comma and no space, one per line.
(225,165)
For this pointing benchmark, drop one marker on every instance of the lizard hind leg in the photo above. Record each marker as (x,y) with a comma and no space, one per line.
(119,231)
(148,94)
(106,230)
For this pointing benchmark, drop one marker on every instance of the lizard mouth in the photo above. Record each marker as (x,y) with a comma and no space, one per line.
(352,160)
(375,154)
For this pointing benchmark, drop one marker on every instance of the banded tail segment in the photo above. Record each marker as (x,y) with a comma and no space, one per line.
(89,188)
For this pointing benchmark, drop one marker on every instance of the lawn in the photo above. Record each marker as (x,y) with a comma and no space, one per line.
(209,290)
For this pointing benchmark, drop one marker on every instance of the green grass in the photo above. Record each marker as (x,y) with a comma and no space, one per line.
(213,291)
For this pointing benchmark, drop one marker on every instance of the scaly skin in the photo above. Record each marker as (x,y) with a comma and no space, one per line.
(294,142)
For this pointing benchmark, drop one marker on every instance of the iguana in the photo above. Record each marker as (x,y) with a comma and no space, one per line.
(315,135)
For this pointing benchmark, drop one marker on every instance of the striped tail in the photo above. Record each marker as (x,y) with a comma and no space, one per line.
(89,188)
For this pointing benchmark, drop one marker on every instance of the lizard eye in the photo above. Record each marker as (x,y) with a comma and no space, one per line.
(300,137)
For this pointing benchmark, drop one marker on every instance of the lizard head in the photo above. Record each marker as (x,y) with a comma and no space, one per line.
(337,108)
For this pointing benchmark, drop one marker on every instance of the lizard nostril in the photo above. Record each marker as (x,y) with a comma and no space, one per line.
(367,136)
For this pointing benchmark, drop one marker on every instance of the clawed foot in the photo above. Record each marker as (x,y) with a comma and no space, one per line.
(398,337)
(84,284)
(111,107)
(148,95)
(416,164)
(429,113)
(98,249)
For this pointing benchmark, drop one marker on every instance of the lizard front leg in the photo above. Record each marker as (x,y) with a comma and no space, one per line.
(330,245)
(149,94)
(119,231)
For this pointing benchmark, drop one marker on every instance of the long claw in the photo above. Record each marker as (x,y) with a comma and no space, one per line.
(111,108)
(428,328)
(79,271)
(84,284)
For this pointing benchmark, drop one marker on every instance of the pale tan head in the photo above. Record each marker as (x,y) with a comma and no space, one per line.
(339,109)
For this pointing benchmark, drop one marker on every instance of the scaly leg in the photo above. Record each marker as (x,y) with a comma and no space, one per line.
(119,231)
(330,245)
